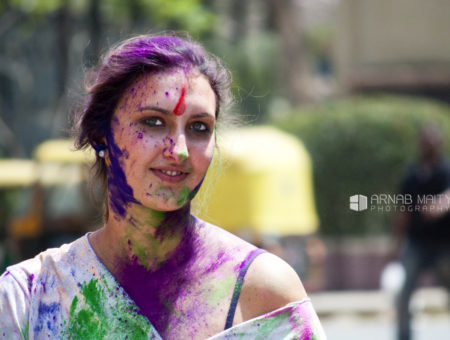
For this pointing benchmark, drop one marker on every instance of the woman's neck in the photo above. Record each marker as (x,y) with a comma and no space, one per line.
(143,237)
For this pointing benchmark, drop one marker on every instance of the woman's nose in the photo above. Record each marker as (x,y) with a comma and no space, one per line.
(176,148)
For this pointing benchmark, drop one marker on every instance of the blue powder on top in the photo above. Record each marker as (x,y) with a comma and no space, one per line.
(46,312)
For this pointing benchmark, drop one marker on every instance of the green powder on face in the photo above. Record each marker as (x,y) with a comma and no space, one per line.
(182,156)
(99,312)
(184,196)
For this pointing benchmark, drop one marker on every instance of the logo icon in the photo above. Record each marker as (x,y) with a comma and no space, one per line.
(358,202)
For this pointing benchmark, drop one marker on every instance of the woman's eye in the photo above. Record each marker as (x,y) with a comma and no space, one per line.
(199,127)
(153,122)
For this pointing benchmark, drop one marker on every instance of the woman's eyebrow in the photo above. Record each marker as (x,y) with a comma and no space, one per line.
(166,112)
(202,115)
(154,108)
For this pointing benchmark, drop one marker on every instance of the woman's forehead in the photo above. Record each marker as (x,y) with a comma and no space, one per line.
(169,78)
(163,88)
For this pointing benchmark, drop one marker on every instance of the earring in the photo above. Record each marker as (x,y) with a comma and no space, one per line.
(100,149)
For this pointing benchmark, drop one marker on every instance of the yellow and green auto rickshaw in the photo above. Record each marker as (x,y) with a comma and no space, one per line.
(53,206)
(260,187)
(16,177)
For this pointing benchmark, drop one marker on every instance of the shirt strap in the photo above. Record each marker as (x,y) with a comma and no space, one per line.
(239,281)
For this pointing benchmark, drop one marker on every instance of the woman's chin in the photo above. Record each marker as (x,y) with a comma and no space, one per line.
(164,206)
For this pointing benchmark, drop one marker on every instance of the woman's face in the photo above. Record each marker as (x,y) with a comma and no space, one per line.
(161,140)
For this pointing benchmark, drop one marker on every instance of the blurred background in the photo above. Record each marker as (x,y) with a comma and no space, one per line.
(340,87)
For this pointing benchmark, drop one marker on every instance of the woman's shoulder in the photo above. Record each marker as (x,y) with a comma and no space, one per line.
(269,283)
(27,272)
(218,237)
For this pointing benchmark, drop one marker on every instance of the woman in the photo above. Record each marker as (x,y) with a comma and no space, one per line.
(153,270)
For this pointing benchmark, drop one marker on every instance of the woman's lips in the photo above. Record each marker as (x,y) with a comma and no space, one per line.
(170,175)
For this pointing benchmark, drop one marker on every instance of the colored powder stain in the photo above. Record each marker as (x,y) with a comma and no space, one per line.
(182,156)
(167,94)
(139,135)
(120,193)
(93,295)
(46,312)
(302,320)
(141,254)
(221,258)
(181,106)
(44,289)
(195,191)
(30,282)
(169,145)
(96,314)
(184,196)
(156,217)
(156,291)
(270,325)
(221,290)
(25,329)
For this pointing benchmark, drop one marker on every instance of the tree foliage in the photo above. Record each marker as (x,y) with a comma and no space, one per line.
(361,145)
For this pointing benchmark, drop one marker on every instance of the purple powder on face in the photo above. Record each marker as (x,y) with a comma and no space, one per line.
(120,193)
(169,143)
(167,94)
(140,136)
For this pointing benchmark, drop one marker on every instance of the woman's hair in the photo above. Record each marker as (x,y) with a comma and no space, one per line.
(124,64)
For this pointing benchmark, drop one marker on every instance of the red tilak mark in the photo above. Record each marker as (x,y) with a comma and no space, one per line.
(181,106)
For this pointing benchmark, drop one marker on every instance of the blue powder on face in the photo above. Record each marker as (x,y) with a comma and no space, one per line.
(120,193)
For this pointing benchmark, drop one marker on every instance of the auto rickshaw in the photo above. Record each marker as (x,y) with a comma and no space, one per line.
(56,208)
(259,187)
(16,177)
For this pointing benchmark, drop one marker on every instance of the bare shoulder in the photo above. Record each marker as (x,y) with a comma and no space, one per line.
(218,237)
(269,284)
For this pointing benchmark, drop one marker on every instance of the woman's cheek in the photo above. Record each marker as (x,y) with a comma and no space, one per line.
(141,139)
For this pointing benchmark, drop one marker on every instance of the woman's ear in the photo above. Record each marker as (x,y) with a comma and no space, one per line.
(100,148)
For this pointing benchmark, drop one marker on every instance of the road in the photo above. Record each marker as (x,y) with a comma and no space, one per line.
(352,327)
